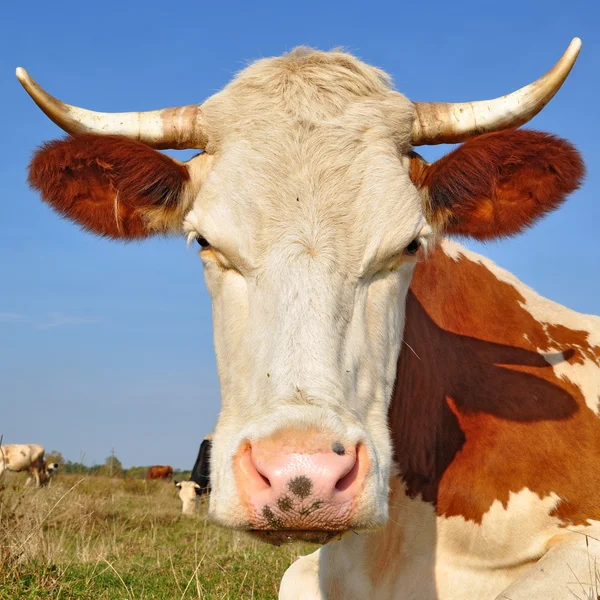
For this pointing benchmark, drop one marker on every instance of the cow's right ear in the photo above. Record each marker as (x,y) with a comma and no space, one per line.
(114,186)
(178,484)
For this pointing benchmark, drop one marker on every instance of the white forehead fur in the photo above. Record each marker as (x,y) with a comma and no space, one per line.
(302,140)
(306,85)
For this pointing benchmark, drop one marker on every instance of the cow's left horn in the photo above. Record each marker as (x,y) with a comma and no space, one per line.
(178,127)
(452,122)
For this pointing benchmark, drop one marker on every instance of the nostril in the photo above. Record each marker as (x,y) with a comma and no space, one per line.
(260,470)
(338,448)
(265,479)
(349,478)
(251,472)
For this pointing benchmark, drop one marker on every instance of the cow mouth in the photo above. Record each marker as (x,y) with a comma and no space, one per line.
(277,537)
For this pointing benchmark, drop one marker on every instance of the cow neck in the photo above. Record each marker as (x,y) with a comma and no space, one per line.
(477,410)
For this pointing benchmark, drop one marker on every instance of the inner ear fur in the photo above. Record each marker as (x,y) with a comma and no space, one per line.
(111,185)
(499,183)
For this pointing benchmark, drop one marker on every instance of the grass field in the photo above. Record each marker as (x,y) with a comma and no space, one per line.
(98,538)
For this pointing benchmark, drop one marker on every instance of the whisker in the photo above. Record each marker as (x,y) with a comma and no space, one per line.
(412,349)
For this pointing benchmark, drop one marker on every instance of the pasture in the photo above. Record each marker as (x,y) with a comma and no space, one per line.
(99,538)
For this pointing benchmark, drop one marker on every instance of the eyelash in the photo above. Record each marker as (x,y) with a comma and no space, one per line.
(413,247)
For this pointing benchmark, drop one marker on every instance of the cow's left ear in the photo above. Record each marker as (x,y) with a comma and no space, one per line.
(497,184)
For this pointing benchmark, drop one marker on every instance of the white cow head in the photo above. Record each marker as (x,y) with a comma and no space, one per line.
(311,209)
(47,472)
(51,468)
(188,496)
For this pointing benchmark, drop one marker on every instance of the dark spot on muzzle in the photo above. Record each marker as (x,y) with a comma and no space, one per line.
(269,515)
(284,503)
(338,448)
(307,510)
(300,486)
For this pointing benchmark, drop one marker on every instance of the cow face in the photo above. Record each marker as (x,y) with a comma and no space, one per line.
(311,210)
(188,496)
(47,472)
(310,240)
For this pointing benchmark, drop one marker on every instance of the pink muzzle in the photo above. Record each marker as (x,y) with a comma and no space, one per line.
(302,486)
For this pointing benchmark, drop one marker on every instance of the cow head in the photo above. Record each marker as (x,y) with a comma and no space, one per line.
(48,471)
(310,208)
(188,496)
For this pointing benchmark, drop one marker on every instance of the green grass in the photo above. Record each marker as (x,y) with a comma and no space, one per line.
(97,538)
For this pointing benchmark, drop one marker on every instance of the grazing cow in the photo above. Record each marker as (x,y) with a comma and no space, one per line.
(201,471)
(47,472)
(468,469)
(24,457)
(188,493)
(163,472)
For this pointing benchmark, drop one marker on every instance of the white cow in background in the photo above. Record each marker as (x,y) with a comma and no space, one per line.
(188,496)
(24,457)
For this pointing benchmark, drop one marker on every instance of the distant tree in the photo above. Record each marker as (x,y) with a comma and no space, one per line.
(180,475)
(112,467)
(75,467)
(55,456)
(136,472)
(96,470)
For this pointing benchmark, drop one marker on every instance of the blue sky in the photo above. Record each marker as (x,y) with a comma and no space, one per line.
(105,345)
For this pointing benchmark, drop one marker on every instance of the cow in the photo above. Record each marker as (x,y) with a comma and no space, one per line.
(201,471)
(163,472)
(468,469)
(188,494)
(47,472)
(24,457)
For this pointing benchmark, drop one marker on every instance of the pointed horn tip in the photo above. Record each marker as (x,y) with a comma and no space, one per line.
(571,54)
(572,51)
(22,74)
(575,44)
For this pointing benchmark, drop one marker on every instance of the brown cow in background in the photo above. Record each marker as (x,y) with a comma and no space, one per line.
(164,472)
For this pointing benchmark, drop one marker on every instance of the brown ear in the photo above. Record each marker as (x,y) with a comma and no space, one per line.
(111,185)
(497,184)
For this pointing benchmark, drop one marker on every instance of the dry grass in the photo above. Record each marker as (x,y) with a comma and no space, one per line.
(98,538)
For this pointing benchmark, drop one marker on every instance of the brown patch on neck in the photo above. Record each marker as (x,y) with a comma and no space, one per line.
(477,411)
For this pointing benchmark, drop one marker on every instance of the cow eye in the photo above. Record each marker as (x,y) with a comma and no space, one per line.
(203,242)
(413,247)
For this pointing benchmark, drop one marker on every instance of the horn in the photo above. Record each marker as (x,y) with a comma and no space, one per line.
(452,122)
(179,127)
